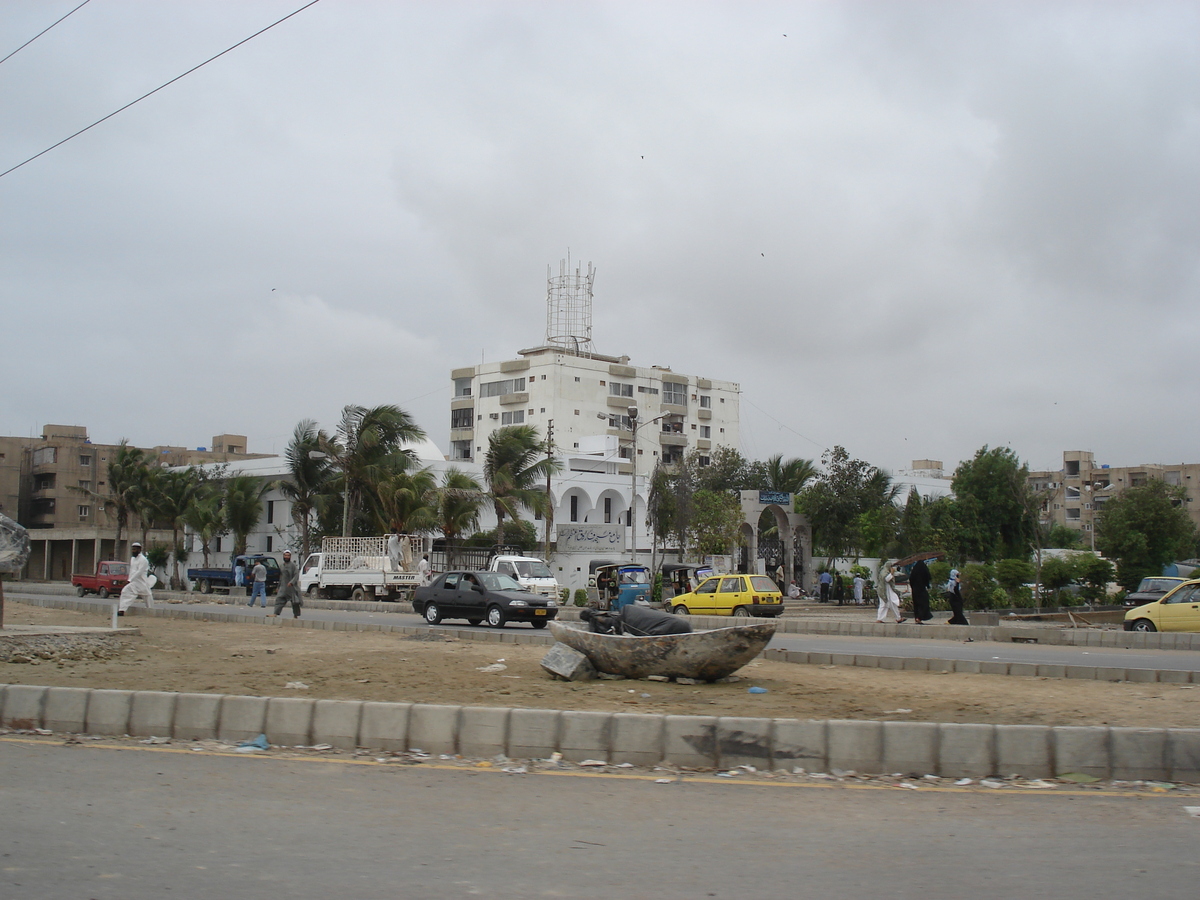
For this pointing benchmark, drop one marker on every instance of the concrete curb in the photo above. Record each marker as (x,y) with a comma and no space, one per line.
(867,747)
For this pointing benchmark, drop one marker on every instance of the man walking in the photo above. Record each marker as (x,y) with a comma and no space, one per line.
(859,584)
(289,586)
(259,578)
(138,587)
(826,581)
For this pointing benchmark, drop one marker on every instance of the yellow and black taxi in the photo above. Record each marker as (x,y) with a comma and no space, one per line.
(1178,610)
(731,595)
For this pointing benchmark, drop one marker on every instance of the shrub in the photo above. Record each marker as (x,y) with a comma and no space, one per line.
(940,573)
(979,587)
(581,597)
(1013,573)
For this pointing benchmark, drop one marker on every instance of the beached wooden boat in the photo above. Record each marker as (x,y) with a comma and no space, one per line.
(704,655)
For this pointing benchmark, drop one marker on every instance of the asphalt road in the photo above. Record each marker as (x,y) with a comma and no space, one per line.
(89,821)
(1046,654)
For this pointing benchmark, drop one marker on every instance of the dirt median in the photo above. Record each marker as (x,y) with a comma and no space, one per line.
(189,655)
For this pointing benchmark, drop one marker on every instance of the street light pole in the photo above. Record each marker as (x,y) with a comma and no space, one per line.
(633,422)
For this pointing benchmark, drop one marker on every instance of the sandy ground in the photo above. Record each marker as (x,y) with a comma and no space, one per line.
(176,655)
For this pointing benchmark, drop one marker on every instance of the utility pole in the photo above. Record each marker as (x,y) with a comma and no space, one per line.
(549,499)
(633,423)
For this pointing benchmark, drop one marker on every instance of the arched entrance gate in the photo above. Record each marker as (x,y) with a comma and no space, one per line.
(793,547)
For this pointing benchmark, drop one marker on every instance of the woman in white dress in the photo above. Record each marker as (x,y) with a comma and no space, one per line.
(888,598)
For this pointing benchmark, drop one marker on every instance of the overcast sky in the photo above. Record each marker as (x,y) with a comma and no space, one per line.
(908,228)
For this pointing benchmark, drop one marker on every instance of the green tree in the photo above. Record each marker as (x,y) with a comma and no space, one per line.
(206,517)
(1062,538)
(727,470)
(126,474)
(914,530)
(407,502)
(364,450)
(1095,573)
(996,510)
(178,490)
(459,500)
(1144,528)
(243,507)
(835,501)
(979,586)
(1013,575)
(778,474)
(1057,573)
(717,522)
(515,472)
(308,478)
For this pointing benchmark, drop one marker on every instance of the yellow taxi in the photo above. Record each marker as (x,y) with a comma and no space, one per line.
(731,595)
(1178,610)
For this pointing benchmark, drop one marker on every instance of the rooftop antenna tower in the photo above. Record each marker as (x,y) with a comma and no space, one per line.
(569,307)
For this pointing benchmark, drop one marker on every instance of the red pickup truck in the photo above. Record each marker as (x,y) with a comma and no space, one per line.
(110,577)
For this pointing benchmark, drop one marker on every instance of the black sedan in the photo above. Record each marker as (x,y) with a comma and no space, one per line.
(482,597)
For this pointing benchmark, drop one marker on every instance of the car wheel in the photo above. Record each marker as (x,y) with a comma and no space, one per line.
(314,592)
(474,621)
(1143,625)
(103,593)
(205,586)
(496,617)
(79,591)
(538,623)
(432,614)
(741,611)
(682,610)
(358,594)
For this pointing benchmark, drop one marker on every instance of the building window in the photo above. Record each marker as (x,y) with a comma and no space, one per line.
(270,514)
(218,549)
(647,390)
(1072,515)
(675,394)
(706,431)
(616,389)
(84,511)
(576,413)
(85,485)
(672,455)
(270,543)
(460,450)
(462,387)
(43,482)
(44,456)
(574,507)
(1172,478)
(1071,468)
(500,388)
(705,401)
(608,510)
(620,422)
(704,461)
(576,377)
(516,417)
(85,461)
(1072,493)
(461,418)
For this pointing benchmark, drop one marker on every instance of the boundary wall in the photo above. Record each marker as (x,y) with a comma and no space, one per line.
(866,747)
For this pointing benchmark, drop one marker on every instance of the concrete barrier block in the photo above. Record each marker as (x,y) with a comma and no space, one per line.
(637,739)
(799,742)
(1087,673)
(799,657)
(1024,750)
(819,659)
(1109,673)
(196,716)
(532,733)
(151,713)
(743,742)
(384,726)
(890,662)
(1173,676)
(433,727)
(23,705)
(841,659)
(856,745)
(1051,671)
(1082,748)
(65,709)
(993,667)
(967,666)
(1141,676)
(915,664)
(941,665)
(109,712)
(585,735)
(910,747)
(1183,754)
(242,718)
(289,721)
(690,741)
(483,731)
(335,722)
(1027,670)
(1139,754)
(966,750)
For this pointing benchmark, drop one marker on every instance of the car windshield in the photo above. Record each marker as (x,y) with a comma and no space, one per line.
(532,568)
(763,583)
(498,581)
(635,576)
(119,569)
(1158,584)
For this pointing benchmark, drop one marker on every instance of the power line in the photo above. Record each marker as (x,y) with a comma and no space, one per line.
(160,87)
(43,31)
(781,424)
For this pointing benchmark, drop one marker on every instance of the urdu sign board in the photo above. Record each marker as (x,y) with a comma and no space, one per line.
(782,498)
(591,538)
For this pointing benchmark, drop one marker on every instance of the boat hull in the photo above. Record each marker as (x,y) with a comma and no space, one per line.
(703,655)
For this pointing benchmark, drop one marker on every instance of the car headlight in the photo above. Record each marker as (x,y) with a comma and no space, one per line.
(517,603)
(552,603)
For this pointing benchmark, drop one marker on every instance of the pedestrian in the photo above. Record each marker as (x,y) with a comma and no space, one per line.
(239,573)
(839,589)
(139,584)
(859,586)
(423,568)
(779,576)
(258,577)
(919,580)
(289,586)
(954,598)
(793,591)
(826,581)
(888,598)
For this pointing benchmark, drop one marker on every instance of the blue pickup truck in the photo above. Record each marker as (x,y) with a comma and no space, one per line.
(208,580)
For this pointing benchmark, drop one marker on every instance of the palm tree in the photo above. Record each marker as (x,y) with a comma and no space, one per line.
(407,502)
(789,476)
(459,500)
(177,490)
(146,498)
(125,476)
(515,470)
(367,440)
(206,517)
(243,507)
(308,477)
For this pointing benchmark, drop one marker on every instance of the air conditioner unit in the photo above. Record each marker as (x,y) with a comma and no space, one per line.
(494,416)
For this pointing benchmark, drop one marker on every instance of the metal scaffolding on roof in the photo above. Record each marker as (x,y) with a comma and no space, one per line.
(569,308)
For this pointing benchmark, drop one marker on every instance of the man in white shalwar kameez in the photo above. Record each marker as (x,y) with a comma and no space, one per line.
(138,587)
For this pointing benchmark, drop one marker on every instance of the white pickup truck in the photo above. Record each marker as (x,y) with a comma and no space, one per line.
(361,568)
(530,572)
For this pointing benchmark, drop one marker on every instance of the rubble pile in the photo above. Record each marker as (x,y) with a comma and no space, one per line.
(38,648)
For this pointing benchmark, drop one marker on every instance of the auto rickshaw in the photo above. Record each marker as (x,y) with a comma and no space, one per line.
(681,579)
(619,584)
